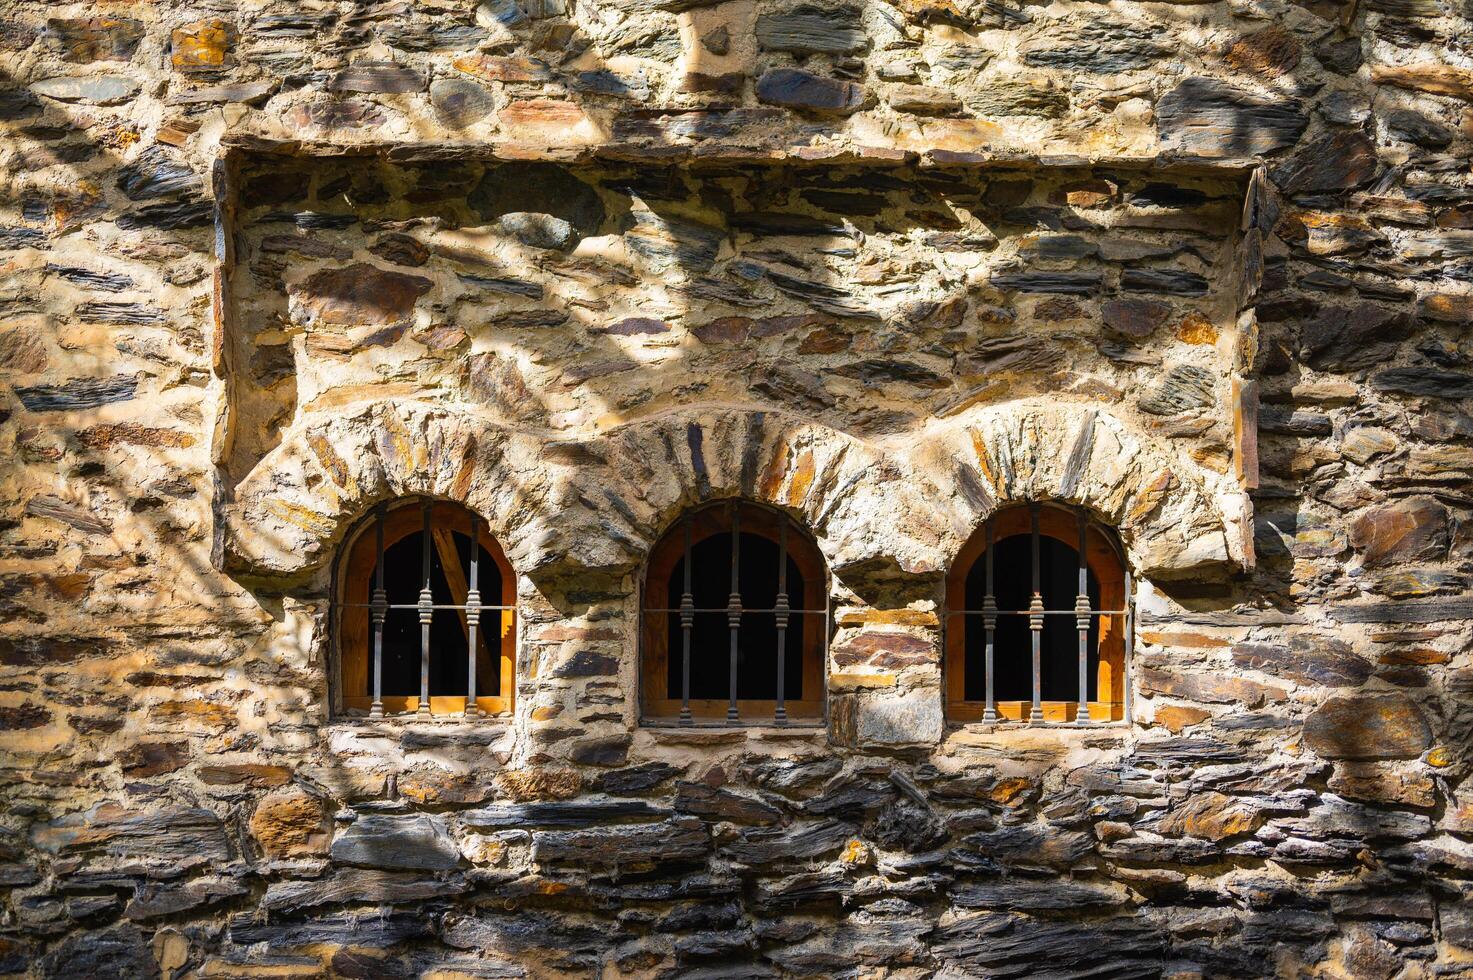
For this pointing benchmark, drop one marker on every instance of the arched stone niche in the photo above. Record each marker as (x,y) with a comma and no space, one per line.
(1175,518)
(598,504)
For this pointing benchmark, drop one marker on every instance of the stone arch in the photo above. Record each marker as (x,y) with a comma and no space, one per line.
(295,506)
(562,506)
(835,484)
(1174,518)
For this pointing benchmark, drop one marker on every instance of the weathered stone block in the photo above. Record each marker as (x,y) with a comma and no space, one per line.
(1373,726)
(413,842)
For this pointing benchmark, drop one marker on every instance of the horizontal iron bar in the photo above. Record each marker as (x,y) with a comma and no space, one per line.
(1025,612)
(415,605)
(744,610)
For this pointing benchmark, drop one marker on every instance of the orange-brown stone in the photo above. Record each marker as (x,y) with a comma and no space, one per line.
(1176,717)
(201,46)
(290,823)
(1214,816)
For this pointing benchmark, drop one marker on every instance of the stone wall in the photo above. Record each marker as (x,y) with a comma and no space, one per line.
(1202,268)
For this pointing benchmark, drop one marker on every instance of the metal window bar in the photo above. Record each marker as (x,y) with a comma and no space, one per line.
(782,611)
(379,608)
(426,615)
(1083,615)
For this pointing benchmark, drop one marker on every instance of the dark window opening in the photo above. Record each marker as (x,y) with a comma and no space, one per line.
(757,638)
(1012,644)
(449,646)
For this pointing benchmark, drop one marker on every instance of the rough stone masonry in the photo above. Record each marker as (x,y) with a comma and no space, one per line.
(888,265)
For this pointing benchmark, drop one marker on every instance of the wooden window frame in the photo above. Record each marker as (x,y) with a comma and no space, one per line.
(707,521)
(1105,559)
(403,517)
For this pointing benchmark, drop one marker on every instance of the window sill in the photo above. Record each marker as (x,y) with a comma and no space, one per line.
(661,731)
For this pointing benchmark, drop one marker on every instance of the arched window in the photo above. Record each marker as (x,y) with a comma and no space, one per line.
(1035,634)
(734,622)
(425,622)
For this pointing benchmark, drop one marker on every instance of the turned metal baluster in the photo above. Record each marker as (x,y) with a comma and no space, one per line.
(687,621)
(1035,620)
(1082,619)
(1129,643)
(473,619)
(989,625)
(426,613)
(378,611)
(780,614)
(734,612)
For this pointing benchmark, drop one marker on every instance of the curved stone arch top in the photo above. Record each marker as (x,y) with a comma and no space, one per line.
(565,506)
(1174,517)
(600,503)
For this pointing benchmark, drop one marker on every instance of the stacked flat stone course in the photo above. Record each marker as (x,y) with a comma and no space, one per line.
(1204,269)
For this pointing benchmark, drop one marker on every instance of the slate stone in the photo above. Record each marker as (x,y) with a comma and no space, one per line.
(709,803)
(810,29)
(400,249)
(164,833)
(793,88)
(460,102)
(246,93)
(1003,945)
(88,89)
(1218,119)
(906,825)
(504,286)
(530,933)
(1336,817)
(78,393)
(1027,846)
(613,751)
(1328,662)
(172,216)
(415,842)
(1048,894)
(15,238)
(680,839)
(126,314)
(1339,162)
(1001,99)
(1182,389)
(1069,283)
(1414,127)
(1294,423)
(84,40)
(383,77)
(380,930)
(358,886)
(636,779)
(107,282)
(792,776)
(124,951)
(1339,55)
(572,813)
(879,371)
(1174,282)
(802,841)
(1425,383)
(674,242)
(1134,318)
(156,900)
(1342,338)
(360,294)
(1414,529)
(1379,726)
